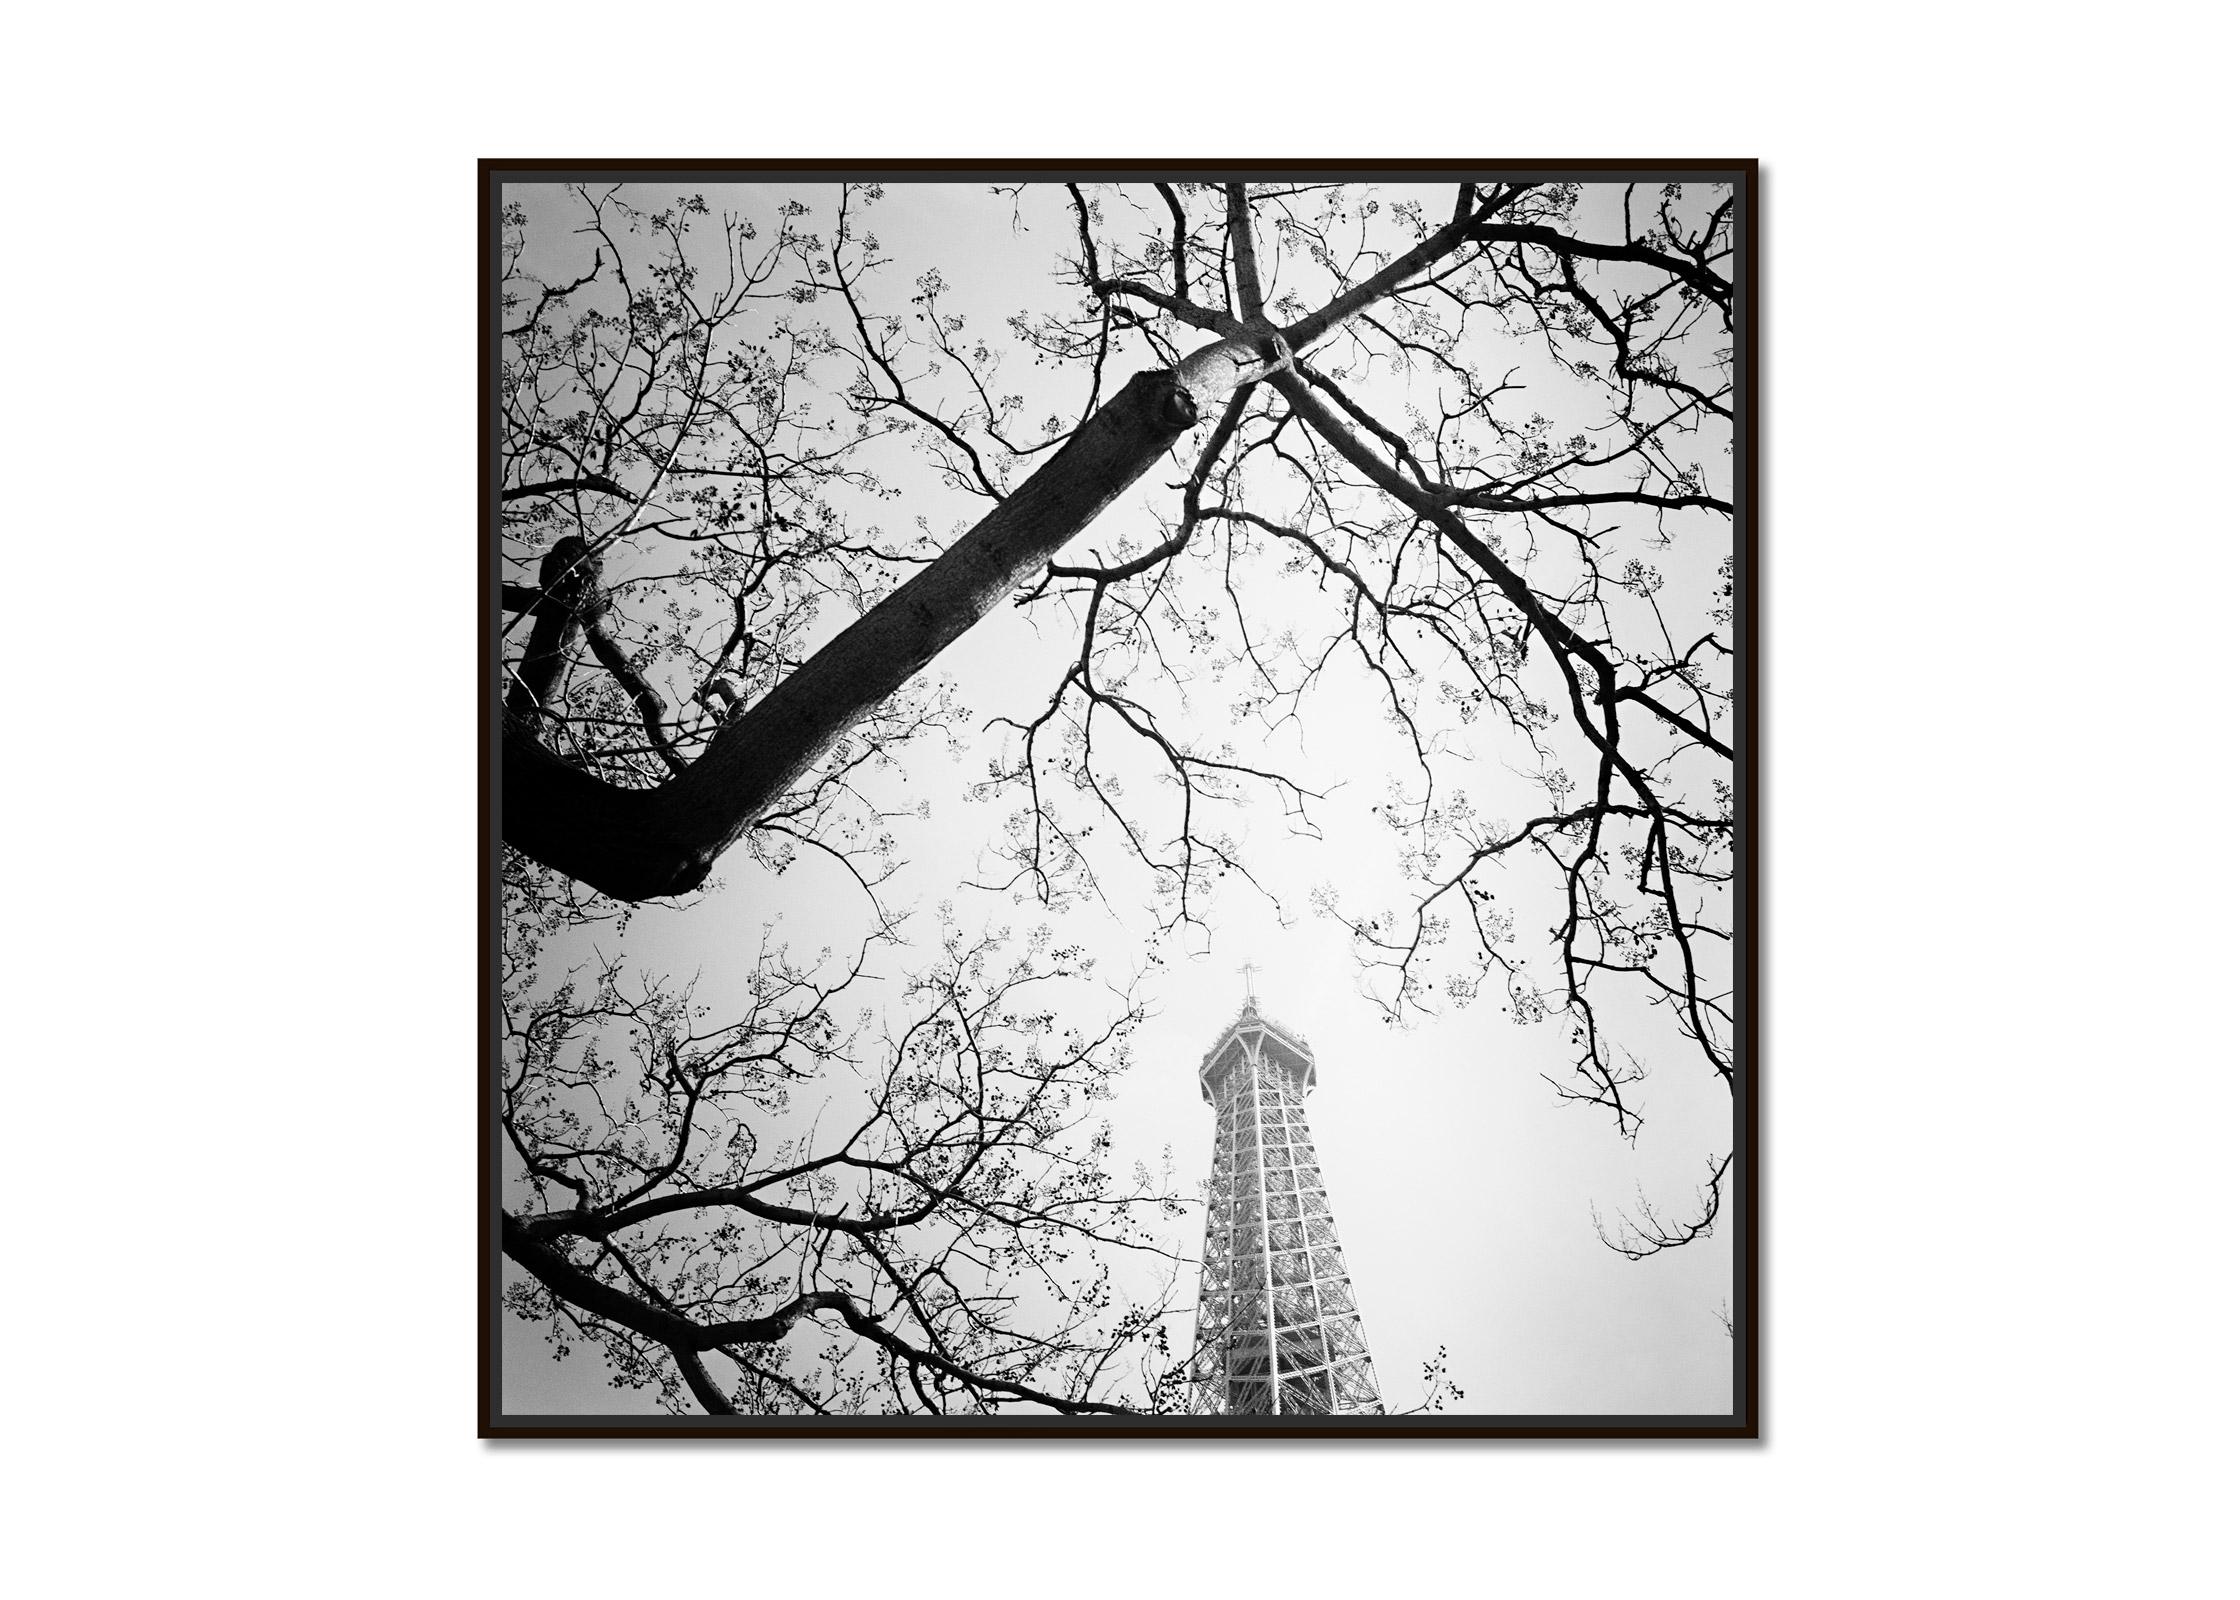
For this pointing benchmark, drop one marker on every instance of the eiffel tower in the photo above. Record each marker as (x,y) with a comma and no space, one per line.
(1278,1333)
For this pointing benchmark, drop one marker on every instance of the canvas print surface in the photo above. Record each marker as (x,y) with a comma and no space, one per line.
(1118,800)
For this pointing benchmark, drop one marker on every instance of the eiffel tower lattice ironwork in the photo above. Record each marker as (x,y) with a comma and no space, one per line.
(1278,1332)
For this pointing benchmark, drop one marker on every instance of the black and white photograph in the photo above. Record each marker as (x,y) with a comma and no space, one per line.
(1119,800)
(1023,801)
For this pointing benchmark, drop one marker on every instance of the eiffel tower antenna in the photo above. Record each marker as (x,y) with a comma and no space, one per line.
(1248,969)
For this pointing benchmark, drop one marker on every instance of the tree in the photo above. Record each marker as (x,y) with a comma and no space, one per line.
(968,1148)
(1480,453)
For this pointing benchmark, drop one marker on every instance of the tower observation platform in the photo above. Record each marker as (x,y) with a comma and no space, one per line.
(1278,1332)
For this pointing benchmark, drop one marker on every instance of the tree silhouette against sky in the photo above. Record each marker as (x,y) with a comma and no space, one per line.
(1297,491)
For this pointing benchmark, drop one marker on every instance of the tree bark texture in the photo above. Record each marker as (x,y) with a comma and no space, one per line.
(640,844)
(569,595)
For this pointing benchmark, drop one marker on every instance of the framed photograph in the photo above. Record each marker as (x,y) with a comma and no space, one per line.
(1119,800)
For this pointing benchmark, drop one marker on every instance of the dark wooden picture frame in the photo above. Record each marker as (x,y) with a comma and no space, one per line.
(1674,295)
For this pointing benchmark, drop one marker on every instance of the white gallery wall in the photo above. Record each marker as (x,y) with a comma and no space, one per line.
(1998,576)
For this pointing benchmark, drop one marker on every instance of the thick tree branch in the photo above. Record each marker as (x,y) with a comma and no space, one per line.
(682,1336)
(569,595)
(595,482)
(1223,431)
(1309,331)
(544,301)
(712,1400)
(1241,252)
(1696,276)
(1181,245)
(1434,509)
(760,754)
(1183,311)
(652,712)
